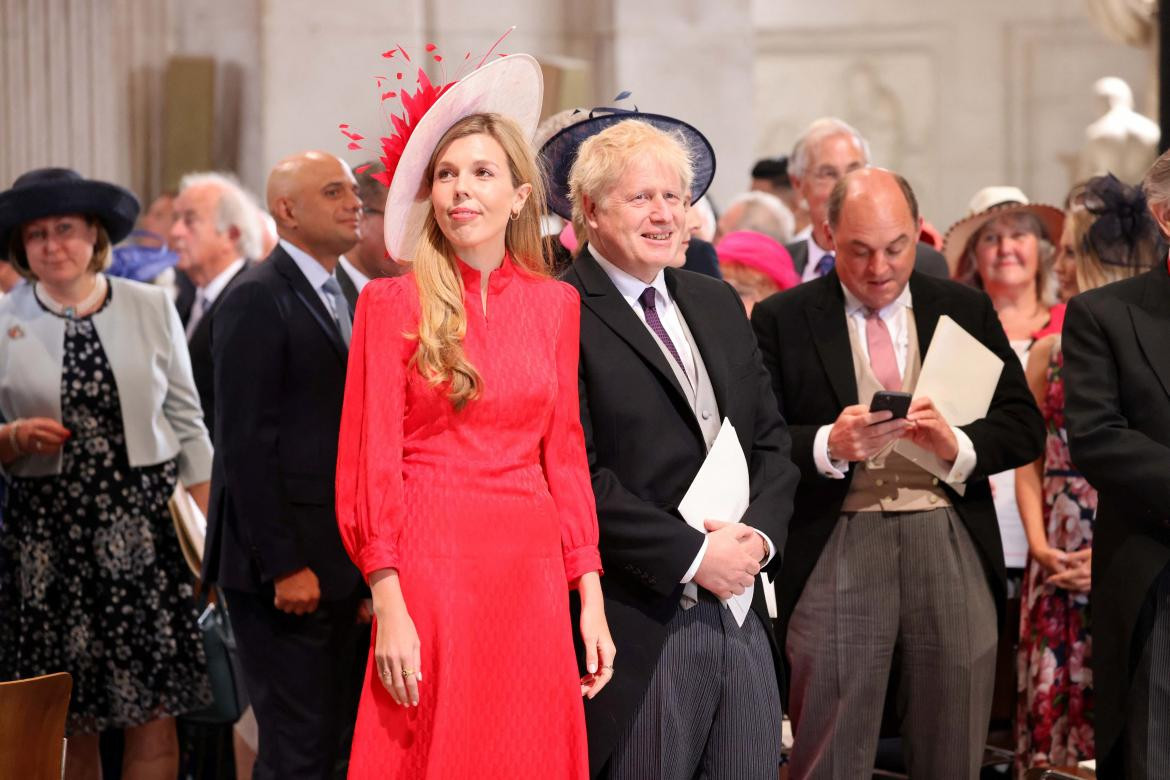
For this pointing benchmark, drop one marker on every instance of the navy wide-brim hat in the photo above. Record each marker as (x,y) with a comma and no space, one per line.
(48,192)
(560,152)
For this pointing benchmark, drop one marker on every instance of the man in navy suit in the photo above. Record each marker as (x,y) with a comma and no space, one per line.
(280,344)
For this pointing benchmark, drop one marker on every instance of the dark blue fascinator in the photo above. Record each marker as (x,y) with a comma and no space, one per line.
(560,152)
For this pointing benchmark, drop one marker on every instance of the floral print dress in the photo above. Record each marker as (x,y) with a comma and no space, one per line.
(92,579)
(1054,718)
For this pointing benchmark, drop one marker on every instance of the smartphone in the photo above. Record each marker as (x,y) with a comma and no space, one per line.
(890,400)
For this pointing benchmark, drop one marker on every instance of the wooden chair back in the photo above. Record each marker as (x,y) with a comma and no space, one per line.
(32,726)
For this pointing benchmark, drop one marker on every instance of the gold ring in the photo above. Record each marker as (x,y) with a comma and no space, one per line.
(387,674)
(408,672)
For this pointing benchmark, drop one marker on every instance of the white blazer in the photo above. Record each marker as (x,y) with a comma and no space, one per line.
(147,349)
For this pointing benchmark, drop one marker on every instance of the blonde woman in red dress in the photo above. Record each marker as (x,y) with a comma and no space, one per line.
(463,492)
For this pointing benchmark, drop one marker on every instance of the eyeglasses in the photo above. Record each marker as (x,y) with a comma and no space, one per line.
(366,211)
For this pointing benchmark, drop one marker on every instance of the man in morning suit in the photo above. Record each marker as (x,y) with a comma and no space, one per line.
(280,343)
(1117,407)
(887,569)
(666,355)
(827,150)
(216,235)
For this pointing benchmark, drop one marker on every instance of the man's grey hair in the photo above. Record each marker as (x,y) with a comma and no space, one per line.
(236,208)
(1156,184)
(764,213)
(820,129)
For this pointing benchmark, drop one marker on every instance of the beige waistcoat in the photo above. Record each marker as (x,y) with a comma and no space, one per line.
(889,482)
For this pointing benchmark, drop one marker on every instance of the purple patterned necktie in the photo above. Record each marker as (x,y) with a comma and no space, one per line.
(648,306)
(825,264)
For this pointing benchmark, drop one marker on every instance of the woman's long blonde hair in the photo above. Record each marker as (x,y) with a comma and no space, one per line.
(442,323)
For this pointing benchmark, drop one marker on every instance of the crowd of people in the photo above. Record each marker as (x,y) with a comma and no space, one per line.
(447,415)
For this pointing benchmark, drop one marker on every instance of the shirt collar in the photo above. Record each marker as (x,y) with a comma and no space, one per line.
(212,289)
(815,253)
(313,271)
(630,286)
(359,279)
(853,304)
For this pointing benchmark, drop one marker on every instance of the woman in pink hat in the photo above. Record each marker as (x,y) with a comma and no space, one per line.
(755,265)
(463,492)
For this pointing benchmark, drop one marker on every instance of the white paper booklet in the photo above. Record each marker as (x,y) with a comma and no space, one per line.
(960,376)
(721,491)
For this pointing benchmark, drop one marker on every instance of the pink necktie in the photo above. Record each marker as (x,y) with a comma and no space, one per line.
(881,351)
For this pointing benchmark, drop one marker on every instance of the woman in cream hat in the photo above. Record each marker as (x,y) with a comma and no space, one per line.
(463,492)
(1005,246)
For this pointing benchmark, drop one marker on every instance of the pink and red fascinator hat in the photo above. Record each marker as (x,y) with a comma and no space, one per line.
(760,252)
(510,85)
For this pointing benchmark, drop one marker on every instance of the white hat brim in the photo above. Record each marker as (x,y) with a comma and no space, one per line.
(512,86)
(959,234)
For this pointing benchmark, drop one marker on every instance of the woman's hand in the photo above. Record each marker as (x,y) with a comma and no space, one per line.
(1052,560)
(599,647)
(1078,573)
(396,646)
(36,436)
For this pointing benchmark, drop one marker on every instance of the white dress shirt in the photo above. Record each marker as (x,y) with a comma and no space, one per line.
(815,253)
(631,288)
(359,279)
(896,316)
(314,272)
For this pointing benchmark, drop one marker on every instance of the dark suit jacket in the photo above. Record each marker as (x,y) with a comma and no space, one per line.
(804,338)
(645,446)
(199,345)
(702,259)
(1117,408)
(279,375)
(927,259)
(348,288)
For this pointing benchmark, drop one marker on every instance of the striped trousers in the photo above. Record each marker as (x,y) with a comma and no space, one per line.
(712,709)
(1147,719)
(901,592)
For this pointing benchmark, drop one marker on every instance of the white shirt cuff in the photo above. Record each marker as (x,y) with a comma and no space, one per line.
(771,547)
(691,572)
(833,469)
(964,461)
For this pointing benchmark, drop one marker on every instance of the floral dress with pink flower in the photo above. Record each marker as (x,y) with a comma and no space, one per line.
(1054,718)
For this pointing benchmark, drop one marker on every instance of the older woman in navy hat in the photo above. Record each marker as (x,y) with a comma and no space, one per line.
(102,419)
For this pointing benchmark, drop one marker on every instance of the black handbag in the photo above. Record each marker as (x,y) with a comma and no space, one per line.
(229,697)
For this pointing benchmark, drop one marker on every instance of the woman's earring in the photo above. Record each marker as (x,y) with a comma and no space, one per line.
(515,215)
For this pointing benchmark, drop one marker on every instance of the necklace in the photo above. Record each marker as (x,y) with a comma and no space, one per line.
(74,310)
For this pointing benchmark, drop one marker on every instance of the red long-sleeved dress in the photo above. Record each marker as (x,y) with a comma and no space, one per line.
(488,516)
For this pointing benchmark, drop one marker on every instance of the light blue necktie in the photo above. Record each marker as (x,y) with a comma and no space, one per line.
(340,308)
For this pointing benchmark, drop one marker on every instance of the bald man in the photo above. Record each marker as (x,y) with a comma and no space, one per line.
(280,341)
(891,575)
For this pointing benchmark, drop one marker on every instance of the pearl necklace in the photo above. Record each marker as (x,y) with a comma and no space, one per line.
(75,310)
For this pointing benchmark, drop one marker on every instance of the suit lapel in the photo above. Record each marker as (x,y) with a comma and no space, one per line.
(830,331)
(604,300)
(699,321)
(348,288)
(203,327)
(1151,324)
(309,298)
(799,252)
(927,309)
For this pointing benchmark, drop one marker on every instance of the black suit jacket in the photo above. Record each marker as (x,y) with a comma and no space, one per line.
(927,259)
(645,446)
(1117,409)
(199,345)
(804,338)
(279,375)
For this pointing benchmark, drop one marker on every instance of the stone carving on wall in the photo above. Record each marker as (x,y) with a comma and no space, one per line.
(1121,141)
(1125,21)
(871,105)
